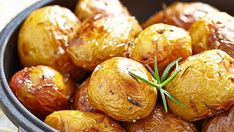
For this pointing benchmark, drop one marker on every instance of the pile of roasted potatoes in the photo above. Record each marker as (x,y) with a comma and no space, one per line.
(76,75)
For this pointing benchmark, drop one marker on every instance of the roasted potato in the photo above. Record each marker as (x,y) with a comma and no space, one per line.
(221,123)
(165,42)
(88,8)
(115,92)
(77,121)
(81,100)
(160,121)
(101,38)
(44,36)
(205,85)
(213,32)
(181,14)
(42,89)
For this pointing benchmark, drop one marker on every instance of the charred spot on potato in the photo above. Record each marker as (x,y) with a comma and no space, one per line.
(232,78)
(185,71)
(161,31)
(213,109)
(134,102)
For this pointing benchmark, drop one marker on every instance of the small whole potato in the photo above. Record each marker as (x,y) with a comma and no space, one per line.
(205,85)
(81,100)
(160,121)
(164,42)
(103,37)
(223,122)
(215,31)
(44,36)
(181,14)
(77,121)
(42,90)
(119,95)
(88,8)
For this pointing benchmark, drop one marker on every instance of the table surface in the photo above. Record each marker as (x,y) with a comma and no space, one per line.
(8,10)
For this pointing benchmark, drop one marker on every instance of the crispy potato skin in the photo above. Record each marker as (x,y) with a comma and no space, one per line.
(165,42)
(115,92)
(42,89)
(103,37)
(44,36)
(81,101)
(160,121)
(76,121)
(181,14)
(213,32)
(205,85)
(88,8)
(221,123)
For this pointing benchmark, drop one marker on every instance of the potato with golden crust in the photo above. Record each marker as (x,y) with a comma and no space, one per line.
(165,42)
(44,36)
(81,100)
(101,38)
(88,8)
(42,90)
(223,122)
(181,14)
(215,31)
(160,121)
(77,121)
(119,95)
(205,85)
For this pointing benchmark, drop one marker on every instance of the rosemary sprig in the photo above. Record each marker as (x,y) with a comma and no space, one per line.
(163,81)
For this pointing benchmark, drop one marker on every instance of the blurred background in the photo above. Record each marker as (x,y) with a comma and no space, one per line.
(8,10)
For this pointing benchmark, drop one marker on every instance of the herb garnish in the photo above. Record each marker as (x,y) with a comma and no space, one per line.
(159,83)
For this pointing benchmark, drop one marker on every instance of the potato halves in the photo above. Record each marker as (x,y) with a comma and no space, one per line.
(160,121)
(181,14)
(77,121)
(115,92)
(44,36)
(42,89)
(215,31)
(163,41)
(101,38)
(205,85)
(88,8)
(81,100)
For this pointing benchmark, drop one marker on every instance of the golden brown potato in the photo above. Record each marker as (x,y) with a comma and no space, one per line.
(81,101)
(42,89)
(115,92)
(165,42)
(44,36)
(221,123)
(205,85)
(101,38)
(213,32)
(77,121)
(160,121)
(181,14)
(88,8)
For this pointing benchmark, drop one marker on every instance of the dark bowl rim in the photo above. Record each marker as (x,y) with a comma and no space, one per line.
(10,105)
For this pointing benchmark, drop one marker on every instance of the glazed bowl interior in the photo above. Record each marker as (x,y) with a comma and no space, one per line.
(10,63)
